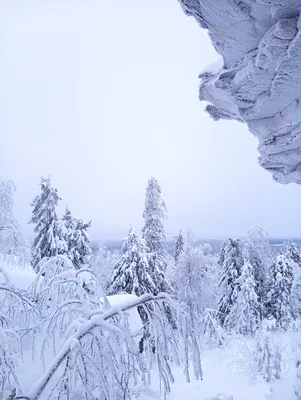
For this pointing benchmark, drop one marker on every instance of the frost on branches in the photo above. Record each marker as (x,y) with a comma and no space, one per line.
(153,230)
(279,296)
(49,240)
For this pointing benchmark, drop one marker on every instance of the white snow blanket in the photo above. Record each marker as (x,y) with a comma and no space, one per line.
(259,80)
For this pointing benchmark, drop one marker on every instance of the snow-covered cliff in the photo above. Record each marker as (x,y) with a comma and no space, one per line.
(259,81)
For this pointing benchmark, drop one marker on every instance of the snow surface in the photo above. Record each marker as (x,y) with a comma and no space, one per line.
(226,372)
(260,42)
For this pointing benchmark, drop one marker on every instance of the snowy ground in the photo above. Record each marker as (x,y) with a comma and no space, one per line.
(226,370)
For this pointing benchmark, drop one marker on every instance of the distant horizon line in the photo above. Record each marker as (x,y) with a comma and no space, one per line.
(203,238)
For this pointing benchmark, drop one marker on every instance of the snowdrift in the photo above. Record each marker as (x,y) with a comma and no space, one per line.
(257,80)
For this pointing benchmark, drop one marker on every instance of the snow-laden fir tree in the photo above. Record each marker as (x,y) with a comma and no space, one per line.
(132,273)
(77,238)
(232,265)
(222,251)
(179,247)
(153,231)
(292,253)
(260,256)
(49,240)
(244,314)
(82,253)
(11,239)
(279,296)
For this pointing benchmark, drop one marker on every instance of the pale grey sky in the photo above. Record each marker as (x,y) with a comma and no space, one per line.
(102,95)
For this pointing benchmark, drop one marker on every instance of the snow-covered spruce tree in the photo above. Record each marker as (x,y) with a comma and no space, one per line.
(11,239)
(132,274)
(153,231)
(244,314)
(260,257)
(82,249)
(77,238)
(292,252)
(232,265)
(222,250)
(179,247)
(279,297)
(49,240)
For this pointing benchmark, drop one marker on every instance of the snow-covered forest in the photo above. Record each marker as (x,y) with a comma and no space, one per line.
(141,322)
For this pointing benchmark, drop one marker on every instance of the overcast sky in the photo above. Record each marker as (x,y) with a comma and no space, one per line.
(103,94)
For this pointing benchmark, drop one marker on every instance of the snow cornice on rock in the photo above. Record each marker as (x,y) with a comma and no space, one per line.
(259,81)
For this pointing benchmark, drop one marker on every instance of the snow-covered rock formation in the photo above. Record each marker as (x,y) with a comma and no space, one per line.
(259,80)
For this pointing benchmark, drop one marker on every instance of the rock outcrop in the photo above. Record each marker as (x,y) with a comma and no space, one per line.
(259,80)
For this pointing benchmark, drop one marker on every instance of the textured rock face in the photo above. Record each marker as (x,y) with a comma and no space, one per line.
(259,81)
